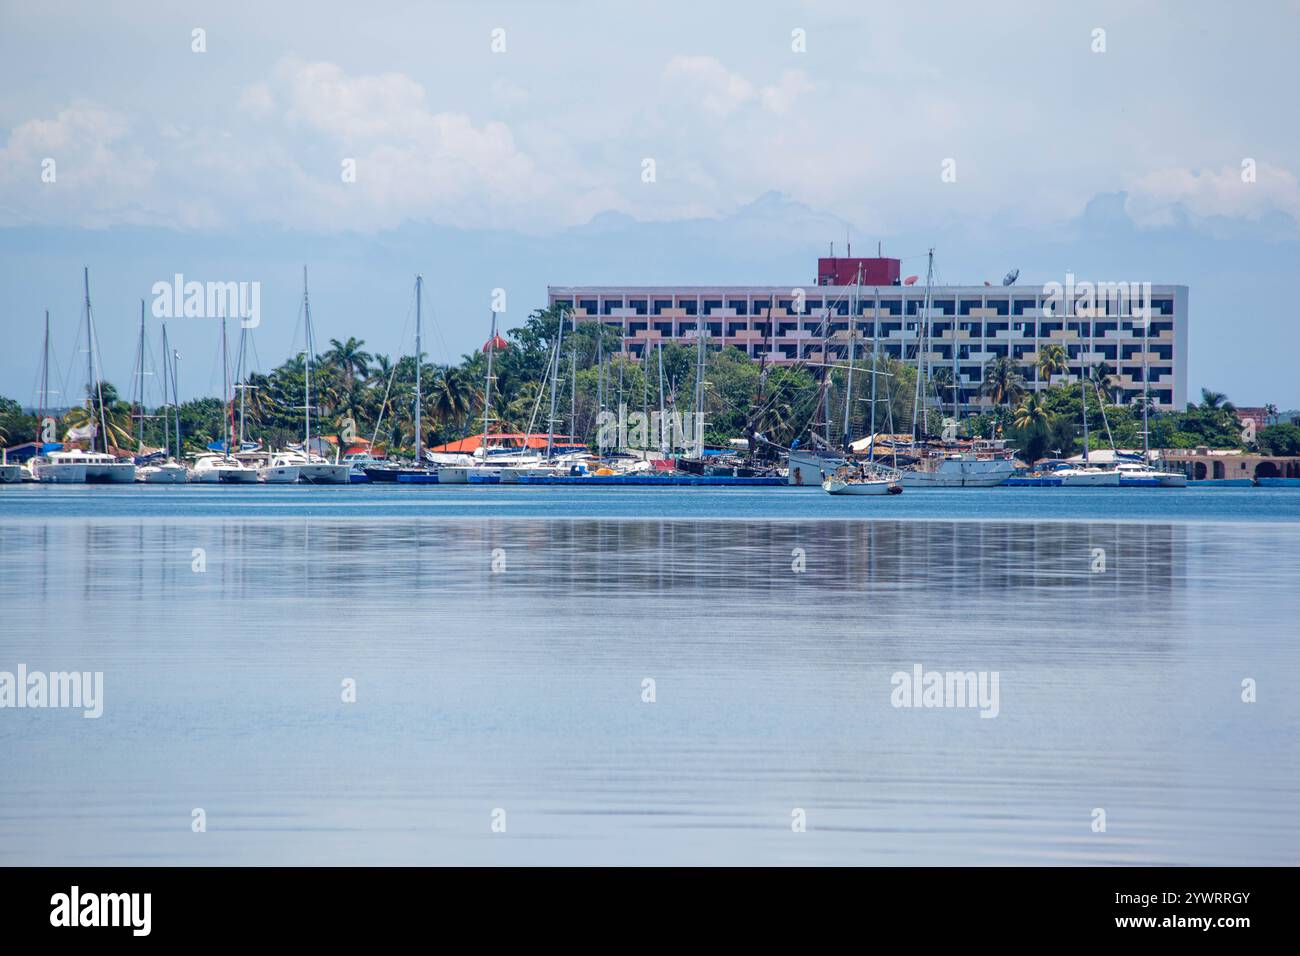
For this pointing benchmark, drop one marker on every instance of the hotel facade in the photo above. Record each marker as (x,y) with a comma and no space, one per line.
(816,323)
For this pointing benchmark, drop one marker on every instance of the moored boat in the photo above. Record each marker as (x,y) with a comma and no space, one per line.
(222,469)
(865,479)
(167,473)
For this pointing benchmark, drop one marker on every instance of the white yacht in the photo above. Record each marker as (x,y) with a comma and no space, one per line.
(284,468)
(168,473)
(214,468)
(75,467)
(315,470)
(1136,474)
(1084,477)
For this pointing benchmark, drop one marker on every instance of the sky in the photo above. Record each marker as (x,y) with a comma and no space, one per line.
(509,146)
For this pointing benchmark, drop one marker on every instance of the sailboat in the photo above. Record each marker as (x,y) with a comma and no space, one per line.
(981,463)
(167,472)
(223,467)
(312,468)
(1141,474)
(491,462)
(870,477)
(91,465)
(420,473)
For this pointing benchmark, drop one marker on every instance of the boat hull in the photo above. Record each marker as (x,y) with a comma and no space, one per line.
(960,473)
(60,474)
(805,468)
(325,474)
(1089,479)
(10,474)
(110,474)
(834,486)
(279,475)
(161,476)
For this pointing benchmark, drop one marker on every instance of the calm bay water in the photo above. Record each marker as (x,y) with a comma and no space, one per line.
(522,688)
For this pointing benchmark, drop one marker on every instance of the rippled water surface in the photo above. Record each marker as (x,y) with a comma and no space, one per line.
(500,640)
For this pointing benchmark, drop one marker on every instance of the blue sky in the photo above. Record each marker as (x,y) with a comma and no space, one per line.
(774,129)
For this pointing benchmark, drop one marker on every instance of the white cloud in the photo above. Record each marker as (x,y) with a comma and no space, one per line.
(257,101)
(1153,197)
(780,97)
(704,80)
(98,178)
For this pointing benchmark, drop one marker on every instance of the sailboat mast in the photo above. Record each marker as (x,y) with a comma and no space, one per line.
(487,387)
(600,386)
(956,370)
(229,426)
(90,362)
(419,398)
(139,384)
(663,445)
(166,416)
(1083,398)
(241,381)
(555,374)
(176,398)
(848,387)
(1146,401)
(573,379)
(306,404)
(875,352)
(921,334)
(699,390)
(45,370)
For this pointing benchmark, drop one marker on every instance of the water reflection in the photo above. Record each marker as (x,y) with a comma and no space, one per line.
(502,663)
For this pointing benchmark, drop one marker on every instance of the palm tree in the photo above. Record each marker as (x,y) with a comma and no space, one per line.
(116,415)
(1032,412)
(1002,382)
(349,359)
(453,395)
(1212,401)
(1051,360)
(380,372)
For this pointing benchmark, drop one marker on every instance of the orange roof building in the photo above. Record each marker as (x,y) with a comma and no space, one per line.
(467,446)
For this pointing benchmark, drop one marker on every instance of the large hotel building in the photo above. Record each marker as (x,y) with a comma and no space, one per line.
(981,322)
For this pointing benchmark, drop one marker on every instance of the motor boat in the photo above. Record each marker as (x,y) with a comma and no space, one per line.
(213,469)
